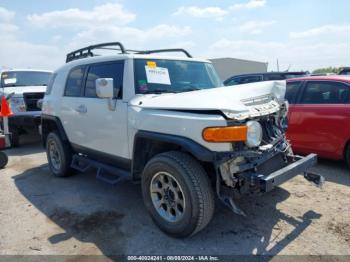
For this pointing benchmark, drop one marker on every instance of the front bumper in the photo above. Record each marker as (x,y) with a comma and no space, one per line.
(297,165)
(261,171)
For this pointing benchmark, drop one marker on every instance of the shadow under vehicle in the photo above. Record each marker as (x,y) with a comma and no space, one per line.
(121,226)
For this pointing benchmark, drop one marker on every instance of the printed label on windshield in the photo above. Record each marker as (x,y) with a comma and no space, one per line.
(10,81)
(157,75)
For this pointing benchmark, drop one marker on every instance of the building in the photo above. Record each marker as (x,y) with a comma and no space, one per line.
(227,67)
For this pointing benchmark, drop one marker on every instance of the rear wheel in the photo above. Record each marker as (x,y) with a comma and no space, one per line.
(59,156)
(177,193)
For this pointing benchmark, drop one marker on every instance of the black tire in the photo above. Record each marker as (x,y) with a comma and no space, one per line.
(347,155)
(59,162)
(196,187)
(3,160)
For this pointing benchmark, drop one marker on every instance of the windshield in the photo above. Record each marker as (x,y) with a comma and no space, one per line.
(173,76)
(24,78)
(345,72)
(288,76)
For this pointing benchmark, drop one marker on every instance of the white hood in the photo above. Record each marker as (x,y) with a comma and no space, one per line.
(236,102)
(19,90)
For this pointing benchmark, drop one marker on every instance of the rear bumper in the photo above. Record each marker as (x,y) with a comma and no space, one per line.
(297,165)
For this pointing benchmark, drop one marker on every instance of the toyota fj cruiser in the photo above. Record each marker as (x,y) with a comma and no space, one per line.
(171,124)
(25,87)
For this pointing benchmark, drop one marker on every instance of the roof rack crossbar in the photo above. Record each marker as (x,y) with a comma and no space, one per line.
(87,51)
(165,51)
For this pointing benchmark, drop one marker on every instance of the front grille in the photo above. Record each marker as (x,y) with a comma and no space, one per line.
(31,99)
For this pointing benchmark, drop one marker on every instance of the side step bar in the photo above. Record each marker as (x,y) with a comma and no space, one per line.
(106,173)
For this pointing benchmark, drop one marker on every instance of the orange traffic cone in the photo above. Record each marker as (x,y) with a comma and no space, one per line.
(5,108)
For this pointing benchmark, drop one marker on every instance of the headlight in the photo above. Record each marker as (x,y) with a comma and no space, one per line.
(254,134)
(17,104)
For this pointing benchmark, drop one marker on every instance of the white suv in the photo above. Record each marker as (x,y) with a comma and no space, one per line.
(26,87)
(169,122)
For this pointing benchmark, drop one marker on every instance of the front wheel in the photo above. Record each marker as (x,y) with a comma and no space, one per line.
(177,193)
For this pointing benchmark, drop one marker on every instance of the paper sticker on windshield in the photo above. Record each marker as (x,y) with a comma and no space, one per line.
(143,86)
(9,81)
(157,75)
(151,64)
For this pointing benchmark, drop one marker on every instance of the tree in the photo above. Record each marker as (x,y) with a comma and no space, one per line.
(326,70)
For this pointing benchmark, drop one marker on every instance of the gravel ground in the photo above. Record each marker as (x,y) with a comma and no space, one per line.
(79,215)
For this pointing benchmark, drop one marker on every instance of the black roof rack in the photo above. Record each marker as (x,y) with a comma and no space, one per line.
(165,51)
(87,51)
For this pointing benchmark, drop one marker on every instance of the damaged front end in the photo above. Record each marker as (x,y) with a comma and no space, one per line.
(260,169)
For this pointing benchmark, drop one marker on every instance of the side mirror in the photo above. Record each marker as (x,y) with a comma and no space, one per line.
(104,87)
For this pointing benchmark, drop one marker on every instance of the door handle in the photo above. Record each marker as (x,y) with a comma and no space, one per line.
(81,109)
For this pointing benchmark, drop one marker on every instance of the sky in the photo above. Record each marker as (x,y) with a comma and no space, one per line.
(301,34)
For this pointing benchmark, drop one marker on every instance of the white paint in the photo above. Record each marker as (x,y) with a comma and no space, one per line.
(113,132)
(226,99)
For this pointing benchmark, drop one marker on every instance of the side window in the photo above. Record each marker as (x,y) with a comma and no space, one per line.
(292,91)
(318,92)
(50,84)
(250,79)
(75,82)
(274,77)
(106,70)
(345,72)
(233,81)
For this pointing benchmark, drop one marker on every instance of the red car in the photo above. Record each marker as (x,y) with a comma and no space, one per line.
(319,116)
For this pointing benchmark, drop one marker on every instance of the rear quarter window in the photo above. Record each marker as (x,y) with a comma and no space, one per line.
(74,82)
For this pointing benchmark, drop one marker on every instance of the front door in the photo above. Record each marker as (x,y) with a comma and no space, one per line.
(318,122)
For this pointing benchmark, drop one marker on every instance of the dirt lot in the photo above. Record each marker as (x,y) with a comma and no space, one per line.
(41,214)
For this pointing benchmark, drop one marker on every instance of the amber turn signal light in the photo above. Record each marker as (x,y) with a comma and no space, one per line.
(225,134)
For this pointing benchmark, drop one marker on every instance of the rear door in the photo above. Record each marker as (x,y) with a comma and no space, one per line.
(319,121)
